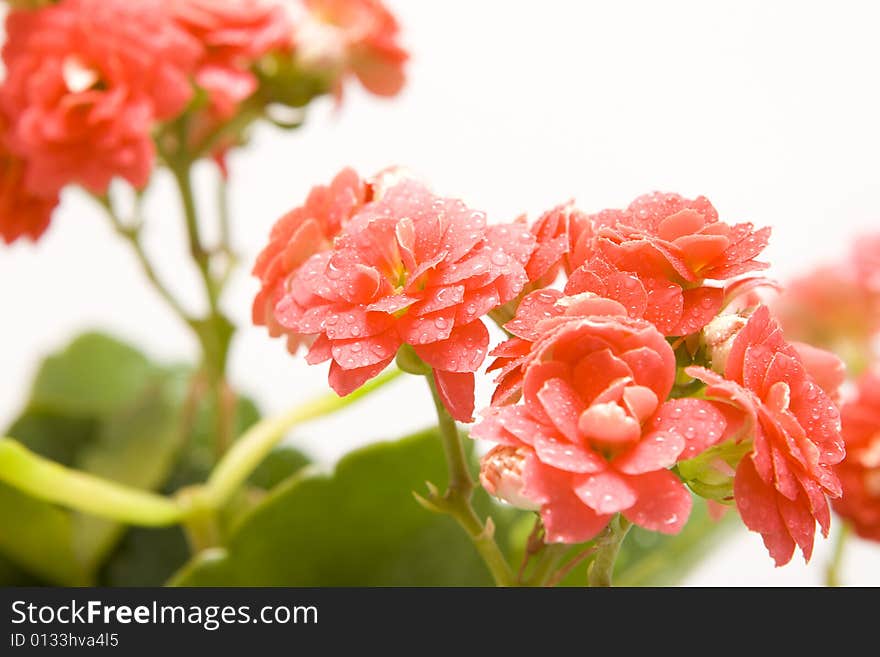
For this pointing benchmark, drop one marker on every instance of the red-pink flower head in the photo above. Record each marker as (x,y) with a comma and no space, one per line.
(563,238)
(672,245)
(859,472)
(234,34)
(86,80)
(22,213)
(352,37)
(593,434)
(833,306)
(781,483)
(409,268)
(297,236)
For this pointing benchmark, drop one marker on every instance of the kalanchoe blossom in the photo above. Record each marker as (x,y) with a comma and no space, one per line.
(409,268)
(781,483)
(594,434)
(351,37)
(672,245)
(297,236)
(22,213)
(562,244)
(859,472)
(234,34)
(86,79)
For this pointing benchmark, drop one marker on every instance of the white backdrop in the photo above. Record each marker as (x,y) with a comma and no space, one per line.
(769,109)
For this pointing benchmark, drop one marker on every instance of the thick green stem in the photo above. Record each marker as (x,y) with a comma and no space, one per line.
(456,502)
(607,547)
(49,481)
(832,575)
(254,445)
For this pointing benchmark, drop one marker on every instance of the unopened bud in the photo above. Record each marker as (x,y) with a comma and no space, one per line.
(501,474)
(718,336)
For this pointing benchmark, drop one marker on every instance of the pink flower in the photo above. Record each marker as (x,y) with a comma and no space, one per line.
(680,239)
(594,434)
(297,236)
(409,268)
(562,237)
(22,213)
(234,34)
(355,37)
(86,79)
(859,472)
(780,486)
(833,306)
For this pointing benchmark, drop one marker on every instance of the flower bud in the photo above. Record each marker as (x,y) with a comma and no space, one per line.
(718,337)
(501,474)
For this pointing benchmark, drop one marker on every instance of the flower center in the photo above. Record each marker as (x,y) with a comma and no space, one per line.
(79,76)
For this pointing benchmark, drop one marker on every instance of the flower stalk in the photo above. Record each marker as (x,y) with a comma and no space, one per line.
(607,548)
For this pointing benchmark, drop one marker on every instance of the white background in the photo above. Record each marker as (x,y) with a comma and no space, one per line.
(769,109)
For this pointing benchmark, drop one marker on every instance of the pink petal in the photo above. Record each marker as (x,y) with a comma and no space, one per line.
(563,407)
(606,492)
(756,503)
(699,423)
(700,306)
(345,381)
(456,390)
(595,372)
(608,424)
(426,329)
(463,351)
(534,308)
(799,522)
(567,456)
(684,222)
(319,351)
(362,352)
(640,401)
(663,503)
(654,452)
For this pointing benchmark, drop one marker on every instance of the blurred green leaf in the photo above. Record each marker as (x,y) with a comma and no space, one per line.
(101,407)
(359,527)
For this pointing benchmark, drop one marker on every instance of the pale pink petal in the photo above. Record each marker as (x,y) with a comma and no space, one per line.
(663,504)
(606,492)
(456,390)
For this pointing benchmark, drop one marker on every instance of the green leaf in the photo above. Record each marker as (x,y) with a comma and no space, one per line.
(101,407)
(94,376)
(359,527)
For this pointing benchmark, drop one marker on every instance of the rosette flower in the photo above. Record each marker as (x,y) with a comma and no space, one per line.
(409,268)
(352,37)
(297,236)
(86,79)
(234,34)
(562,243)
(789,428)
(859,472)
(672,245)
(594,435)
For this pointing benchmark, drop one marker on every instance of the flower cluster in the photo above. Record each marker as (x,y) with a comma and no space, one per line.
(94,88)
(837,306)
(860,472)
(630,382)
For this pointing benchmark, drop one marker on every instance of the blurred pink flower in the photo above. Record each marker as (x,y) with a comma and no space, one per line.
(234,34)
(86,80)
(22,213)
(409,268)
(353,37)
(859,472)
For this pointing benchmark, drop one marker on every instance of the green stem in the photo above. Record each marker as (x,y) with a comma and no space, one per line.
(49,481)
(456,502)
(132,234)
(832,575)
(546,563)
(607,547)
(254,445)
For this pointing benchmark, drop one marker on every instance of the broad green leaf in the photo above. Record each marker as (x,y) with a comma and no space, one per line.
(101,407)
(359,526)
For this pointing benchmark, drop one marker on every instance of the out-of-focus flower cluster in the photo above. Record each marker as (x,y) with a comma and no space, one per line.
(837,306)
(98,89)
(635,366)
